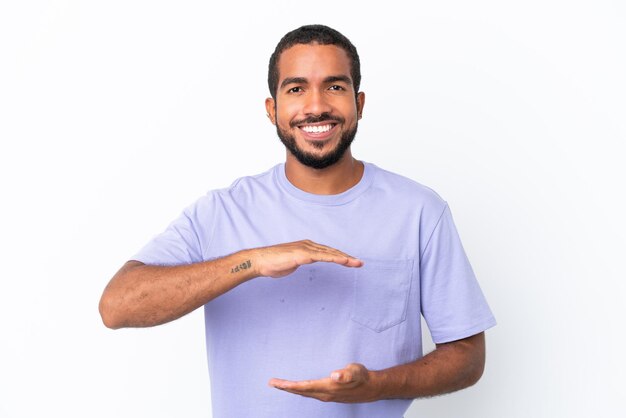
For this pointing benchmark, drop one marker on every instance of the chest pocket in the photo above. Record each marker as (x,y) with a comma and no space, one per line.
(381,292)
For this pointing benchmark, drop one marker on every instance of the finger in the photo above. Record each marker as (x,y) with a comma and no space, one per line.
(346,259)
(322,396)
(326,248)
(277,383)
(342,376)
(338,259)
(342,254)
(304,386)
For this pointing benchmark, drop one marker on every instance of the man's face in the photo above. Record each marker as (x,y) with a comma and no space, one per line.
(316,110)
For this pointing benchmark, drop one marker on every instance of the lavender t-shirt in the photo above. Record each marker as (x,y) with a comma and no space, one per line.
(325,316)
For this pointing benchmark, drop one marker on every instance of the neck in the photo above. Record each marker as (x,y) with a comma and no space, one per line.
(335,179)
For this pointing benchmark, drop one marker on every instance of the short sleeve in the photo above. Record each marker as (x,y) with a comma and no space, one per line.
(452,302)
(181,242)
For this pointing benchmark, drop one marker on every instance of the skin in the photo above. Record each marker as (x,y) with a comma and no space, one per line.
(314,90)
(143,296)
(452,366)
(314,80)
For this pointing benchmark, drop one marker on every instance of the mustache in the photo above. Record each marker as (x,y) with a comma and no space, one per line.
(324,117)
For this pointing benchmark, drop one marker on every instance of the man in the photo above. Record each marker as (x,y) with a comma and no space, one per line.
(314,274)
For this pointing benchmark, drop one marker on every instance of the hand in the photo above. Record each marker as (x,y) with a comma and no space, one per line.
(351,384)
(283,259)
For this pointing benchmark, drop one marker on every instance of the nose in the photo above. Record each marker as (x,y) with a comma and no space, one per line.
(316,103)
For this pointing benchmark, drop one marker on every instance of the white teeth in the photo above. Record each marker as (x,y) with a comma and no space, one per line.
(317,129)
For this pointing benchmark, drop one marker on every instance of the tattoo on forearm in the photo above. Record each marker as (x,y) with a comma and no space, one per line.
(243,266)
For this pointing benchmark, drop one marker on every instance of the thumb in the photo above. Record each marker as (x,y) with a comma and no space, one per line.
(341,376)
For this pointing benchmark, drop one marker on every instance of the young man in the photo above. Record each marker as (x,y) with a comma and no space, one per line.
(314,274)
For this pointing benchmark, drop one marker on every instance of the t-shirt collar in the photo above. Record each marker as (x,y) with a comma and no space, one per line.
(320,199)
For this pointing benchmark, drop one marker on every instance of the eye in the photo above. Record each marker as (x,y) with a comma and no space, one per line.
(295,90)
(336,88)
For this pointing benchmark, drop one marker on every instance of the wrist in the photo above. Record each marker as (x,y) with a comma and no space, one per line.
(378,381)
(243,265)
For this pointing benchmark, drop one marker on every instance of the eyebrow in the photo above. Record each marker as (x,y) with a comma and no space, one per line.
(329,79)
(293,80)
(335,78)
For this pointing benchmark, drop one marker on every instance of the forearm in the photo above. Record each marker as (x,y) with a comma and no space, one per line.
(451,367)
(141,295)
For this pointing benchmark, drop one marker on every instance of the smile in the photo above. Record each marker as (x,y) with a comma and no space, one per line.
(317,129)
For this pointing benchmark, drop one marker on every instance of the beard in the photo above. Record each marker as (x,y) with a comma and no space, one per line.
(312,160)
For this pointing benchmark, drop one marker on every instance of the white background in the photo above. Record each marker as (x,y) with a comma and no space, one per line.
(114,115)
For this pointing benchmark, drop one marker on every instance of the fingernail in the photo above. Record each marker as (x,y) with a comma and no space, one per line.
(335,376)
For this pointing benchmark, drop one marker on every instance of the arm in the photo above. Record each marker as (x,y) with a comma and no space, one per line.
(452,366)
(141,296)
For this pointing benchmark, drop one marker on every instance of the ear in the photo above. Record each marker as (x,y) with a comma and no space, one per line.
(360,102)
(270,108)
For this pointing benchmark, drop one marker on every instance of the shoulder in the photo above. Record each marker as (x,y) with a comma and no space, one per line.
(252,183)
(402,188)
(242,189)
